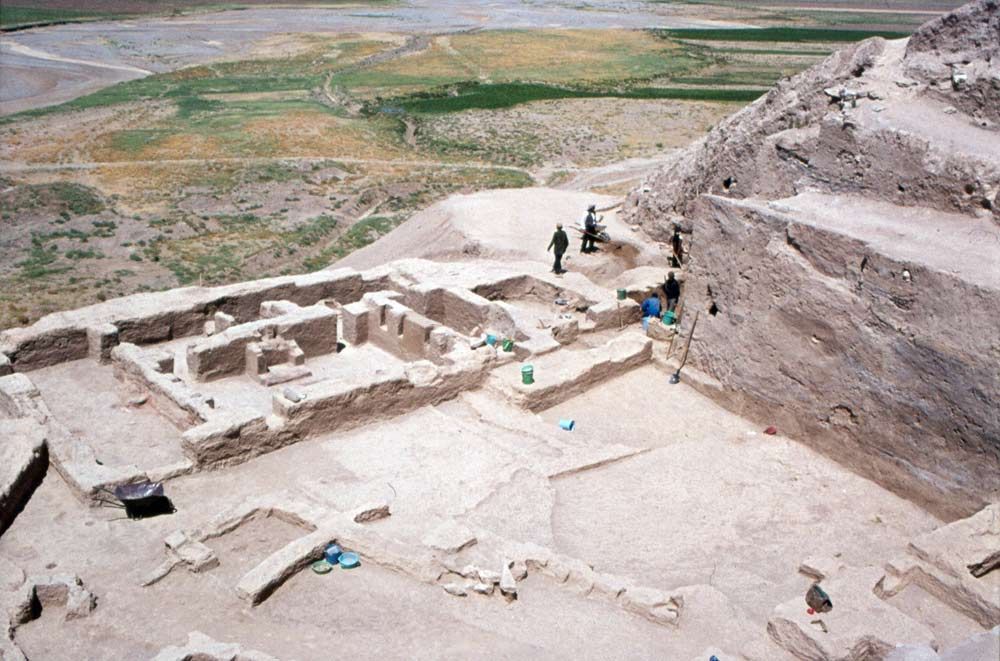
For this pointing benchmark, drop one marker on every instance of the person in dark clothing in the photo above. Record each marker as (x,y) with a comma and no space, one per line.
(672,291)
(677,246)
(590,230)
(560,242)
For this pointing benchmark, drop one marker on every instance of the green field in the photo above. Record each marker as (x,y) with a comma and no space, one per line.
(12,16)
(504,95)
(782,35)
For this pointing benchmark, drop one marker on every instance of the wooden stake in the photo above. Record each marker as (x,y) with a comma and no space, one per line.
(676,376)
(688,345)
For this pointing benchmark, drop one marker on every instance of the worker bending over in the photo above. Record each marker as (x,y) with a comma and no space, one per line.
(650,310)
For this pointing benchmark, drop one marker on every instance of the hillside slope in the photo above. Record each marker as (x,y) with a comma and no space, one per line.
(845,232)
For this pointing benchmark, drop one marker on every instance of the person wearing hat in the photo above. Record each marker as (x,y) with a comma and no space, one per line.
(677,246)
(590,230)
(560,242)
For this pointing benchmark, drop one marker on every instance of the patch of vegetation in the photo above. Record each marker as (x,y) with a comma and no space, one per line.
(764,78)
(62,197)
(104,228)
(133,141)
(549,57)
(778,34)
(191,88)
(241,222)
(14,15)
(360,235)
(313,231)
(493,96)
(84,254)
(39,262)
(221,264)
(33,12)
(773,51)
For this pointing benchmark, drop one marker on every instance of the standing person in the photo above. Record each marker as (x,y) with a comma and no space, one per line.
(589,230)
(650,310)
(672,291)
(677,246)
(560,242)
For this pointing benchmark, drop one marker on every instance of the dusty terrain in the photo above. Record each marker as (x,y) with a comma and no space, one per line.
(211,147)
(524,467)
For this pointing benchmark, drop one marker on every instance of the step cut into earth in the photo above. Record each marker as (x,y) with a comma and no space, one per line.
(845,232)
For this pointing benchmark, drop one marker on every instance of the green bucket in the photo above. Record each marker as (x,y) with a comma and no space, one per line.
(622,294)
(669,317)
(508,345)
(527,375)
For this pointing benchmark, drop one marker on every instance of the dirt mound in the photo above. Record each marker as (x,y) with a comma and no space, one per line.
(509,225)
(962,49)
(971,32)
(844,232)
(771,147)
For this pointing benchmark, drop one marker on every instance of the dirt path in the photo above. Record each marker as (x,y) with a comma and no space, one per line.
(612,174)
(95,165)
(414,44)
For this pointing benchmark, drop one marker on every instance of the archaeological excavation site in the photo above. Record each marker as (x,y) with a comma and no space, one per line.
(435,446)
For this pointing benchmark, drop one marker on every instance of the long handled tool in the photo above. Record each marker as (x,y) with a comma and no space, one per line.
(677,324)
(676,376)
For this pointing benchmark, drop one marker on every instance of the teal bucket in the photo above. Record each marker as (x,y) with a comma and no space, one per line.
(527,375)
(508,345)
(669,318)
(491,340)
(622,294)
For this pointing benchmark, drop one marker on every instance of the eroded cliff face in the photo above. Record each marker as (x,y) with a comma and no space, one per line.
(844,232)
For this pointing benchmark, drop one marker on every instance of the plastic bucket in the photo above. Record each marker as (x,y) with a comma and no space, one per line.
(322,567)
(508,345)
(622,294)
(491,340)
(669,318)
(567,424)
(528,375)
(332,554)
(349,560)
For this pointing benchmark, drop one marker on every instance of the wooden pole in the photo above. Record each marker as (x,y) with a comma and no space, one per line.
(677,375)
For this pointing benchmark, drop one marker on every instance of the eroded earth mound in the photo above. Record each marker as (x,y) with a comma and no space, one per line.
(845,235)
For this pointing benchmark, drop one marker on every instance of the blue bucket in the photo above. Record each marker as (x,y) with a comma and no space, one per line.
(568,425)
(332,554)
(349,560)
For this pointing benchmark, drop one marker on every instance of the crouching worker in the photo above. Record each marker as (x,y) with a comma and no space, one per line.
(650,310)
